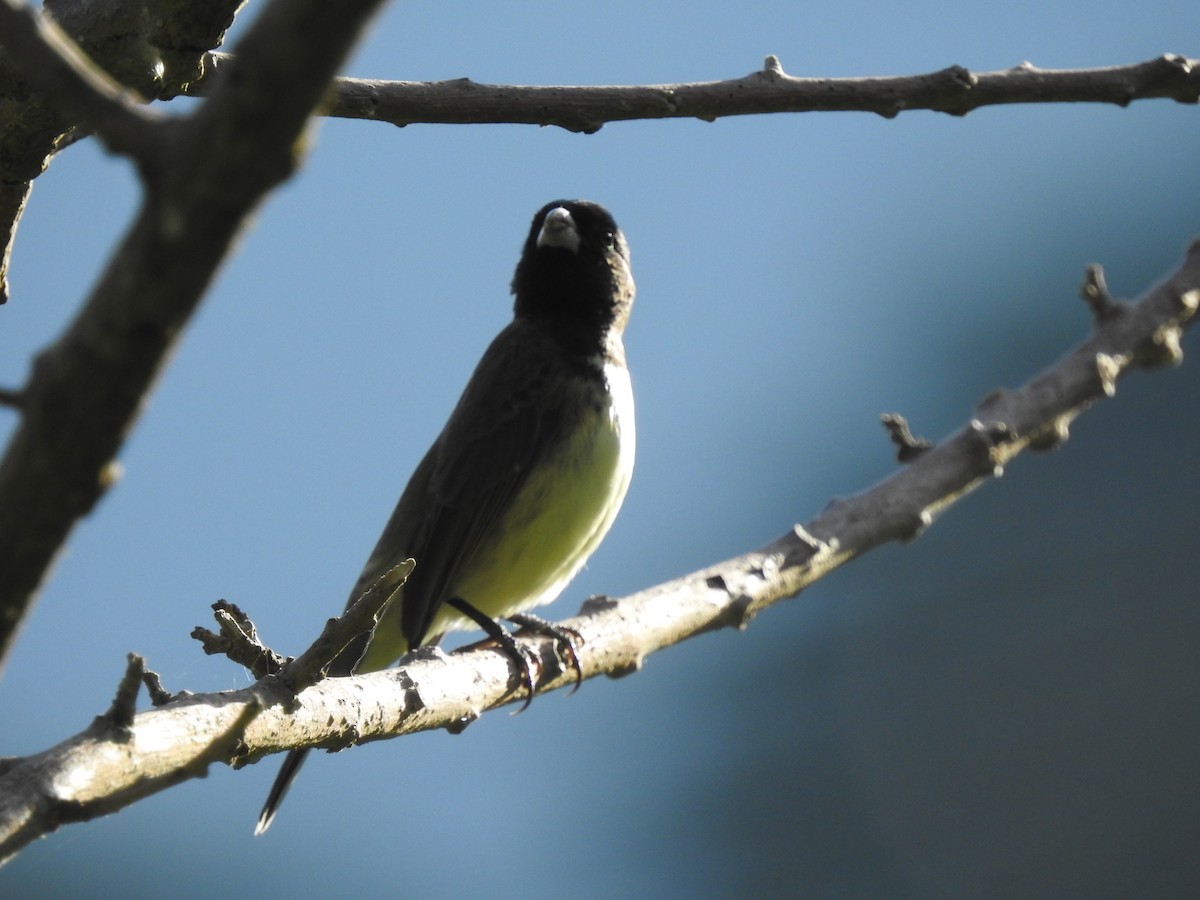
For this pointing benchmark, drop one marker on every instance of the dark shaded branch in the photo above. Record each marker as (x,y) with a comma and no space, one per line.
(108,766)
(87,389)
(154,56)
(955,90)
(75,84)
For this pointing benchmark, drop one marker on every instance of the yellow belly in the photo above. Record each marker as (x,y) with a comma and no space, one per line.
(559,518)
(563,511)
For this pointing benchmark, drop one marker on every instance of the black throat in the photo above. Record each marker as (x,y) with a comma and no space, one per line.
(573,301)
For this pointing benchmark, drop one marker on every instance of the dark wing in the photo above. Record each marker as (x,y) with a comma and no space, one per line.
(506,419)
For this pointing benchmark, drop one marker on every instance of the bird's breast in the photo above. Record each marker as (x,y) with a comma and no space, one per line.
(566,505)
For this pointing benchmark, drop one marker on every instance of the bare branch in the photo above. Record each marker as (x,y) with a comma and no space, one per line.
(124,706)
(108,767)
(237,638)
(71,80)
(158,56)
(154,56)
(222,161)
(954,90)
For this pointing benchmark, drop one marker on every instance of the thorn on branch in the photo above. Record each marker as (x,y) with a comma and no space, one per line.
(988,436)
(237,638)
(1189,302)
(1167,341)
(1052,436)
(960,76)
(629,669)
(110,474)
(159,696)
(1177,66)
(596,603)
(908,446)
(739,613)
(459,725)
(106,478)
(917,525)
(1094,291)
(120,714)
(955,85)
(1161,348)
(1108,369)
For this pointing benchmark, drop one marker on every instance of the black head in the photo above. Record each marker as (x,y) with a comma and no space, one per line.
(574,269)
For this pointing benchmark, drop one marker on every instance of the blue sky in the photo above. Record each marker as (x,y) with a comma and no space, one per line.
(1013,683)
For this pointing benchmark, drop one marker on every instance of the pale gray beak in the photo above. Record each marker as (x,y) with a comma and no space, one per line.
(559,231)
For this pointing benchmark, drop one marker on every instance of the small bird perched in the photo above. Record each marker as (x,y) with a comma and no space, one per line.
(528,473)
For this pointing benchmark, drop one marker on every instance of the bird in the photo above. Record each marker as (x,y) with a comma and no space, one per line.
(530,470)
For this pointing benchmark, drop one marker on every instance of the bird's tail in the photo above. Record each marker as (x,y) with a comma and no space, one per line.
(348,661)
(283,781)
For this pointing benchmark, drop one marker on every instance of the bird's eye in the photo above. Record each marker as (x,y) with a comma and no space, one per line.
(610,241)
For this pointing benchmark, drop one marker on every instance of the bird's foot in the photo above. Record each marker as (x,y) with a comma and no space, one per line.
(567,641)
(527,662)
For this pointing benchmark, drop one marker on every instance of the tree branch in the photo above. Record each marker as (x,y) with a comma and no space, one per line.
(69,78)
(119,759)
(954,90)
(154,56)
(87,389)
(160,59)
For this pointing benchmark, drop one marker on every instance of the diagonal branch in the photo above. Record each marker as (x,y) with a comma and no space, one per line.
(118,760)
(954,90)
(87,389)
